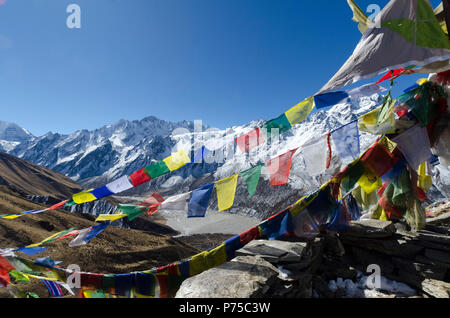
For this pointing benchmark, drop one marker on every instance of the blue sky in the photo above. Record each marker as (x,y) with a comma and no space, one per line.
(225,62)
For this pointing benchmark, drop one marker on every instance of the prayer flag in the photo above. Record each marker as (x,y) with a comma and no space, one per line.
(279,168)
(300,112)
(226,190)
(346,142)
(53,288)
(157,169)
(83,197)
(379,159)
(86,235)
(120,185)
(415,146)
(251,179)
(176,203)
(330,99)
(199,201)
(251,140)
(139,177)
(177,160)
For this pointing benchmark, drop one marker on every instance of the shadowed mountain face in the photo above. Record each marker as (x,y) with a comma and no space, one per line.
(31,179)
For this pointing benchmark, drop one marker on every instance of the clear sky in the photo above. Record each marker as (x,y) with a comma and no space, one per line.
(225,62)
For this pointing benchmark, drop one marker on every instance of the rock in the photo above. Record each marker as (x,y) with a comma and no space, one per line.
(433,237)
(438,255)
(333,245)
(435,246)
(276,252)
(321,287)
(365,258)
(370,229)
(436,289)
(442,219)
(395,246)
(243,277)
(426,260)
(426,270)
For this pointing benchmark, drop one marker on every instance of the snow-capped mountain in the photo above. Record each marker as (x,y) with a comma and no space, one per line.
(94,158)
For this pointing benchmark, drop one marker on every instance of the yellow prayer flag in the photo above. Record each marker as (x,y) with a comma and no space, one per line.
(388,144)
(110,217)
(369,181)
(11,217)
(368,122)
(198,264)
(422,81)
(83,197)
(217,256)
(226,190)
(300,112)
(177,160)
(383,216)
(424,181)
(360,17)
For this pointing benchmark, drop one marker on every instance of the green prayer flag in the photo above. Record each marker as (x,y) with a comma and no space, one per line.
(281,123)
(251,179)
(133,211)
(354,173)
(157,169)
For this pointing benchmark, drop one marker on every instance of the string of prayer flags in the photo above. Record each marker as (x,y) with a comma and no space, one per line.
(415,146)
(251,140)
(86,235)
(199,201)
(251,179)
(346,142)
(279,168)
(226,190)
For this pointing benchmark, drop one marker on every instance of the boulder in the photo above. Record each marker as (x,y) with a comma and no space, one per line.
(436,289)
(434,237)
(395,246)
(438,255)
(277,252)
(432,271)
(370,229)
(243,277)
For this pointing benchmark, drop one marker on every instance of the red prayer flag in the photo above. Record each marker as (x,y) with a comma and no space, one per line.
(379,159)
(139,177)
(394,74)
(91,280)
(153,203)
(250,235)
(58,205)
(251,140)
(279,168)
(5,268)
